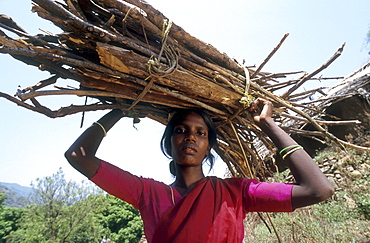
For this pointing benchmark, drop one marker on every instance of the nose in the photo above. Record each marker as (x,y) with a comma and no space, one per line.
(190,136)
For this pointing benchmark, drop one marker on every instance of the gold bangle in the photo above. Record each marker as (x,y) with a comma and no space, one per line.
(291,151)
(102,127)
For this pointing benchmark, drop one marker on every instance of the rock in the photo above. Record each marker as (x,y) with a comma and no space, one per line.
(356,174)
(350,168)
(325,169)
(351,203)
(333,183)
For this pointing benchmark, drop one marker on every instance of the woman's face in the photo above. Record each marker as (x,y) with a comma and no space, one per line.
(189,141)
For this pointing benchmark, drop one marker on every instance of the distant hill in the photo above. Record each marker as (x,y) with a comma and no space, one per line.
(17,195)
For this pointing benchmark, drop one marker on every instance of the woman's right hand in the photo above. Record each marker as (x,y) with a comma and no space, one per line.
(81,155)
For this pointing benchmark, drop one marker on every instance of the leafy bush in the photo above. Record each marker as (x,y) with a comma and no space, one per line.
(363,205)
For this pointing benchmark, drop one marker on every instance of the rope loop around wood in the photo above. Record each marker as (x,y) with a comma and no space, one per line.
(155,66)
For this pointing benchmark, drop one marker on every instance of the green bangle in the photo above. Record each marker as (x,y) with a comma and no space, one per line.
(289,147)
(291,151)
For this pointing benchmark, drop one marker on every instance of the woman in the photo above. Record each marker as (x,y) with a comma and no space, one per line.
(196,208)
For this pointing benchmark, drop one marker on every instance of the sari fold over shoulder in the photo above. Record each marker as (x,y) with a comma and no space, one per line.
(211,212)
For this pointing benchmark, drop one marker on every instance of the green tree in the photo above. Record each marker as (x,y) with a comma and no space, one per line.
(8,219)
(64,211)
(2,199)
(121,221)
(60,211)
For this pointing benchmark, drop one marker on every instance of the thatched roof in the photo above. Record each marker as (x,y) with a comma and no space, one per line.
(128,55)
(357,83)
(341,109)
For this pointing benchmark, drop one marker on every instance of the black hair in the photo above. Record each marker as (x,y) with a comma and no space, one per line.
(177,119)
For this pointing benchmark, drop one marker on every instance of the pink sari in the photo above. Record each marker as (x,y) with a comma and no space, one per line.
(211,212)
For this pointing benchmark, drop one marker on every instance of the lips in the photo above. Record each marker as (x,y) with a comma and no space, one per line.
(188,148)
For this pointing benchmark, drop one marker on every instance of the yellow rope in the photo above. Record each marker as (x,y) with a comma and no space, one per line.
(247,99)
(154,64)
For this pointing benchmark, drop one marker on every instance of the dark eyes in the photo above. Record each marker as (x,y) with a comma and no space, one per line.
(201,133)
(182,130)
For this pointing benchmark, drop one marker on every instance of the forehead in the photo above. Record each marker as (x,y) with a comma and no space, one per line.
(193,120)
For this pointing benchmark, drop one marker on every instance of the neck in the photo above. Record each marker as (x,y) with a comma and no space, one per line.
(186,179)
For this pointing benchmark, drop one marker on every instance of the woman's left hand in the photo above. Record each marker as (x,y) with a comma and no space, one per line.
(261,111)
(311,186)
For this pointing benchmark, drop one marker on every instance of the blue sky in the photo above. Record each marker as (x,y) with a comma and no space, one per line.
(32,145)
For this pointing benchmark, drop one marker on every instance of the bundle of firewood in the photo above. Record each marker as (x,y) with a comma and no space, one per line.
(127,55)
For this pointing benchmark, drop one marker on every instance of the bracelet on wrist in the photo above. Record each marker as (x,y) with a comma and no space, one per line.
(102,127)
(289,150)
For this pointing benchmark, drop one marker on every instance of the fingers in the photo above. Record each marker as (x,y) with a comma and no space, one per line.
(254,106)
(260,103)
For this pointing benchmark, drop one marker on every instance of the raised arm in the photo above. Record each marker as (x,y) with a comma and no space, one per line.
(312,186)
(81,155)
